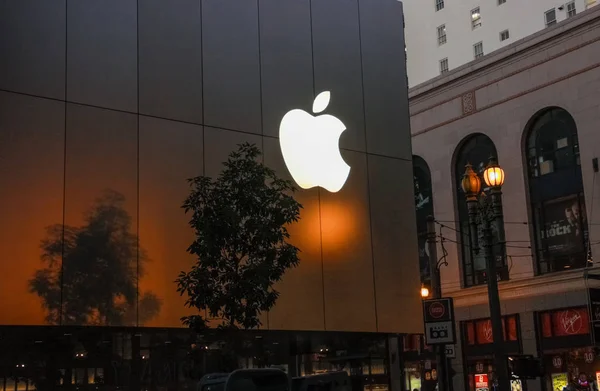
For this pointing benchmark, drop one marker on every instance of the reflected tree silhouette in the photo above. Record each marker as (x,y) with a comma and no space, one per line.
(96,268)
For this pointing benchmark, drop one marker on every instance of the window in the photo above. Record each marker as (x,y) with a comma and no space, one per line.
(550,17)
(500,2)
(424,208)
(475,18)
(439,5)
(478,50)
(556,192)
(571,11)
(504,35)
(444,65)
(589,3)
(441,33)
(476,150)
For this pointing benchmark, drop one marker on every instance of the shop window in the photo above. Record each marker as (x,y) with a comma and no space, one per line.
(479,332)
(567,351)
(556,192)
(564,323)
(424,208)
(475,150)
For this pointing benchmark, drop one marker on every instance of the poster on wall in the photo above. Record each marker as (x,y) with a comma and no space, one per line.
(559,381)
(481,382)
(564,228)
(516,385)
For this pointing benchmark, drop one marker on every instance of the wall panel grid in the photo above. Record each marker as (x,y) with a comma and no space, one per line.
(108,106)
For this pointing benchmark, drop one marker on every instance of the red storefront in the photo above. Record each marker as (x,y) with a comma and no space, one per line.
(566,348)
(478,350)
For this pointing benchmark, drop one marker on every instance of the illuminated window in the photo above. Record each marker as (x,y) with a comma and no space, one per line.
(475,18)
(441,32)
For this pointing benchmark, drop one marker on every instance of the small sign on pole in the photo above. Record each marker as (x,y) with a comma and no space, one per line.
(450,351)
(438,316)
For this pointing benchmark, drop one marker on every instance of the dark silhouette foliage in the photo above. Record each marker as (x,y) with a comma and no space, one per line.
(240,220)
(90,273)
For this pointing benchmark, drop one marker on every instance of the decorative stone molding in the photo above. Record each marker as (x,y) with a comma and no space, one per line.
(469,105)
(556,283)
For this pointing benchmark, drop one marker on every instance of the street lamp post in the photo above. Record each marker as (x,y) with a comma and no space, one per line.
(489,212)
(436,292)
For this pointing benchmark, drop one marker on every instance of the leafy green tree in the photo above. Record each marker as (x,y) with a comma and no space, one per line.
(240,220)
(91,272)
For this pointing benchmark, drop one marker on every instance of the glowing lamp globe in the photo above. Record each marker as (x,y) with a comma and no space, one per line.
(471,183)
(424,291)
(493,174)
(310,147)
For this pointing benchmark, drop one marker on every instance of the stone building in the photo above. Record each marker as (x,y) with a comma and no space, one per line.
(535,106)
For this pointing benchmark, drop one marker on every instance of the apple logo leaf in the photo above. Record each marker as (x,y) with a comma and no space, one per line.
(321,102)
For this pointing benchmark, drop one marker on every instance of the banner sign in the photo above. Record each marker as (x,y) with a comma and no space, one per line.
(438,316)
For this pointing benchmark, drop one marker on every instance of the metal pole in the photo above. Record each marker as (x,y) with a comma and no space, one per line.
(436,293)
(500,360)
(436,286)
(498,214)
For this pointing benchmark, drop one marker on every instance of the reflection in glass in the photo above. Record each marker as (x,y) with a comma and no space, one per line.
(556,190)
(476,150)
(90,274)
(424,208)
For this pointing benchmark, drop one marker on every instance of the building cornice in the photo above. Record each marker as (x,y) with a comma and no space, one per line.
(549,284)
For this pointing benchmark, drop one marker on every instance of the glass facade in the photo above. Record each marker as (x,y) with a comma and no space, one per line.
(424,208)
(475,150)
(176,359)
(556,192)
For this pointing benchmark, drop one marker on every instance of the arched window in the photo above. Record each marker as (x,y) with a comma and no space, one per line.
(556,191)
(476,149)
(424,207)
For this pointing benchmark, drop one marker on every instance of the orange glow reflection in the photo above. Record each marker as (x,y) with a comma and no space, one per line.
(338,224)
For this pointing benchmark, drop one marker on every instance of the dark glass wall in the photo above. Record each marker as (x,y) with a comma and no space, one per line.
(107,107)
(476,150)
(424,208)
(560,225)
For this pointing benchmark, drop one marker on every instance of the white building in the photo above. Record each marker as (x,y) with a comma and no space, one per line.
(444,34)
(534,105)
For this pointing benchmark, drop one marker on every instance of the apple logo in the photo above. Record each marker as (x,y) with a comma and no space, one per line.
(310,147)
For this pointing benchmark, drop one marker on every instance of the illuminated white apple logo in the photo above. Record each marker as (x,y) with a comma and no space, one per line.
(310,147)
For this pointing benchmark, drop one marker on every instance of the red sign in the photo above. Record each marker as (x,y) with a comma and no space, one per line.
(483,331)
(570,322)
(436,310)
(481,380)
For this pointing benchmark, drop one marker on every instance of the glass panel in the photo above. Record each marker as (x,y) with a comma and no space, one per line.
(424,207)
(31,157)
(98,236)
(561,226)
(476,151)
